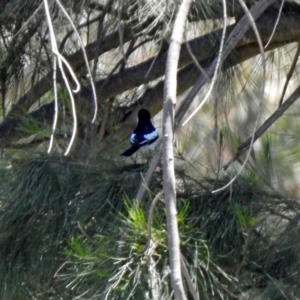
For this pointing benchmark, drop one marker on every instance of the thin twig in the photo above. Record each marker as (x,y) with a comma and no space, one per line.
(53,42)
(85,59)
(218,65)
(262,52)
(242,148)
(151,246)
(87,23)
(289,74)
(236,34)
(194,58)
(150,216)
(62,61)
(118,64)
(105,118)
(276,24)
(29,19)
(120,29)
(148,175)
(188,279)
(58,58)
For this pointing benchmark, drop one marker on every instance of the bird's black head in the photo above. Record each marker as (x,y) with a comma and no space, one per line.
(144,115)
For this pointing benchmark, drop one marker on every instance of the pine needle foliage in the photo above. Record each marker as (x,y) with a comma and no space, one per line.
(44,201)
(71,230)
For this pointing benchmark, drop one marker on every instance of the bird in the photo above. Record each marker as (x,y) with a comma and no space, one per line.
(145,133)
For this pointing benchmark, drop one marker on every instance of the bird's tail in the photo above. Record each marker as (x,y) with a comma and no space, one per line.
(130,151)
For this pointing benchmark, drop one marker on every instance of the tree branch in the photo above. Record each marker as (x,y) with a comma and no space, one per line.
(234,40)
(76,61)
(263,128)
(169,181)
(288,31)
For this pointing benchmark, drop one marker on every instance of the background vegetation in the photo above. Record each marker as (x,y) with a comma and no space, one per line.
(69,225)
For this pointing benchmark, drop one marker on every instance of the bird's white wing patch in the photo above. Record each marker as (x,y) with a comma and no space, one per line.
(132,138)
(151,136)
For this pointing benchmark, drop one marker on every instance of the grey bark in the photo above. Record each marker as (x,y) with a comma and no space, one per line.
(169,182)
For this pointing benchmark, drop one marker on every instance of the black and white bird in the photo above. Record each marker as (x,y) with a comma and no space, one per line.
(144,134)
